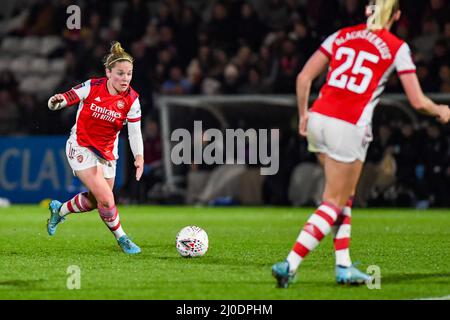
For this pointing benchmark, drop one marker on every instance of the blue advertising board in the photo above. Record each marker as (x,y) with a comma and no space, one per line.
(36,168)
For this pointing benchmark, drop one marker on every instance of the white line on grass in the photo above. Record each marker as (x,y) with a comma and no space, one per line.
(435,298)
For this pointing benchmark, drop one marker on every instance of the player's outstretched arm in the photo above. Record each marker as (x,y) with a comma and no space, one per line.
(312,69)
(56,102)
(420,101)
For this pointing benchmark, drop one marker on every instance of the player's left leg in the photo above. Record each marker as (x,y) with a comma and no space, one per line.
(111,217)
(113,223)
(339,177)
(101,186)
(346,272)
(341,231)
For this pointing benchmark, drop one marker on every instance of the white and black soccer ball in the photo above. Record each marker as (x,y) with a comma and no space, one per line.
(192,241)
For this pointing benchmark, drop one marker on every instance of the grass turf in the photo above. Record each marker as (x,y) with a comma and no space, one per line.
(411,248)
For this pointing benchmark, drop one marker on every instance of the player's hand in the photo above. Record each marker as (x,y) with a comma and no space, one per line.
(55,101)
(303,125)
(444,114)
(139,164)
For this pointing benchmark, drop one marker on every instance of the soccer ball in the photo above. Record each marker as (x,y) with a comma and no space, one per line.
(192,241)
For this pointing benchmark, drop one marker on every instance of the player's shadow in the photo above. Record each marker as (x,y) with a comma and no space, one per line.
(20,283)
(407,277)
(211,261)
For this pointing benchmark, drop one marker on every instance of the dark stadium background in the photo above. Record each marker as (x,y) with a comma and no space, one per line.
(196,47)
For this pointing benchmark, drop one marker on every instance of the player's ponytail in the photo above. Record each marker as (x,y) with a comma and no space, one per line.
(116,54)
(381,12)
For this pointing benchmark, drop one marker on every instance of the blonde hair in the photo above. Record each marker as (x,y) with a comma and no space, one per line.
(116,54)
(382,12)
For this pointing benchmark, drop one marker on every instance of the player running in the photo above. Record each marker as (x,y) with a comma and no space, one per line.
(338,126)
(104,106)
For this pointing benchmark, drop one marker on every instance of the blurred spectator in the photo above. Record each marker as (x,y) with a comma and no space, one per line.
(444,75)
(268,66)
(303,38)
(424,44)
(251,29)
(393,84)
(434,153)
(186,35)
(165,62)
(352,13)
(275,15)
(8,82)
(379,169)
(429,83)
(195,76)
(407,159)
(243,60)
(40,19)
(253,84)
(231,81)
(9,115)
(135,17)
(177,84)
(143,61)
(164,16)
(322,16)
(290,64)
(441,56)
(440,10)
(27,104)
(221,30)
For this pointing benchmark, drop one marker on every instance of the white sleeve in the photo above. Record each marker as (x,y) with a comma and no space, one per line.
(135,138)
(134,129)
(82,90)
(135,112)
(327,45)
(403,60)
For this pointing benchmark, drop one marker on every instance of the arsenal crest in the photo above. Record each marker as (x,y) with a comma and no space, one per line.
(80,158)
(120,104)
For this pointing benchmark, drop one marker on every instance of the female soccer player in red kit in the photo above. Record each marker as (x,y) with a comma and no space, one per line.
(338,126)
(104,106)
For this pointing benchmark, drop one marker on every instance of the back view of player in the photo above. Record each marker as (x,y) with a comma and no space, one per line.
(360,60)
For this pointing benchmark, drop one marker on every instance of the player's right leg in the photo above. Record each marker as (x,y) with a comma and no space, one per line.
(79,159)
(82,202)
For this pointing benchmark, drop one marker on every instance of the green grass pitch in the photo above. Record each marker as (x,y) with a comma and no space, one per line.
(412,249)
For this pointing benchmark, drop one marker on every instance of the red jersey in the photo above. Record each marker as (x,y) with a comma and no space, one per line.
(101,116)
(361,62)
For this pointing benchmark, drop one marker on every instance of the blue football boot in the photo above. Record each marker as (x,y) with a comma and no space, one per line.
(127,245)
(351,275)
(280,271)
(55,219)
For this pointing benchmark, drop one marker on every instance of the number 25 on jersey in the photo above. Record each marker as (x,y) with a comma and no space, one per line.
(355,61)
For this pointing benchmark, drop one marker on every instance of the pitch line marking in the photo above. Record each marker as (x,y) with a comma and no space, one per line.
(435,298)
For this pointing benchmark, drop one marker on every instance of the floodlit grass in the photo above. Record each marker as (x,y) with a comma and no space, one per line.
(411,248)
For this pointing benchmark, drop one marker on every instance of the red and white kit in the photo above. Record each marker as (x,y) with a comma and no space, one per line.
(100,117)
(361,62)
